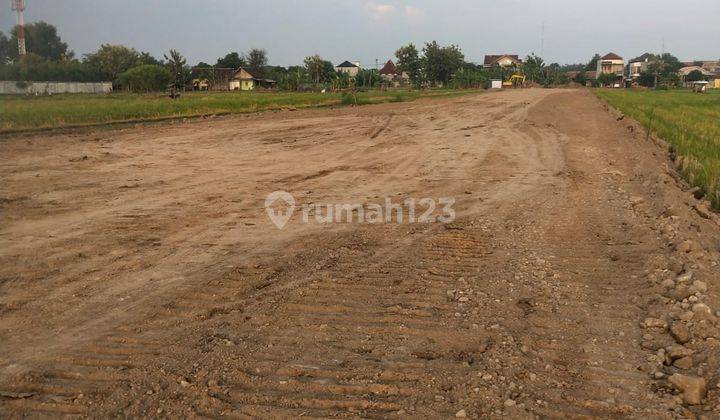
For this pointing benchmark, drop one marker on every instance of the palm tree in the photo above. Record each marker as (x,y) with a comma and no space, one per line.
(314,65)
(177,65)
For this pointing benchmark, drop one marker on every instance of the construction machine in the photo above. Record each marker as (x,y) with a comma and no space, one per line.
(516,80)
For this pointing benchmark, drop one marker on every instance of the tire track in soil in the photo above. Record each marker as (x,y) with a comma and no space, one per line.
(528,305)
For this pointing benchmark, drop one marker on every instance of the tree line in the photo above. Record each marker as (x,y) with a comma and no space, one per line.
(434,65)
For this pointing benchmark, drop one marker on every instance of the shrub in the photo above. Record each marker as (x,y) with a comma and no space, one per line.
(607,79)
(145,78)
(581,78)
(694,76)
(353,98)
(48,71)
(646,79)
(465,79)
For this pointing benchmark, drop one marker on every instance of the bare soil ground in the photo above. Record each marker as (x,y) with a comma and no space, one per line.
(141,277)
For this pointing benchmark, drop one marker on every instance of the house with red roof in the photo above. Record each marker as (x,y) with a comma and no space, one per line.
(392,75)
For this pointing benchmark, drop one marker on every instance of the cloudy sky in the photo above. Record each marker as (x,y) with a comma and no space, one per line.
(366,30)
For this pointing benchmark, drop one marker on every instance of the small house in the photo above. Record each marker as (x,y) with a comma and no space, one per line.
(612,64)
(503,60)
(224,79)
(351,69)
(639,65)
(244,80)
(685,72)
(392,75)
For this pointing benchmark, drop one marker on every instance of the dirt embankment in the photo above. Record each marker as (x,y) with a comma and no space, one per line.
(140,275)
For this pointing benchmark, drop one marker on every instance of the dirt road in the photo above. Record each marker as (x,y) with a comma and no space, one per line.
(141,276)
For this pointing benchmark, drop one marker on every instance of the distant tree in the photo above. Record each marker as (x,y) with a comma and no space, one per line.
(607,79)
(177,65)
(670,80)
(145,78)
(552,75)
(328,72)
(257,61)
(441,63)
(5,48)
(592,64)
(471,67)
(41,38)
(342,81)
(470,77)
(695,76)
(671,62)
(664,67)
(232,60)
(533,68)
(147,58)
(497,72)
(111,60)
(368,78)
(314,65)
(32,67)
(286,78)
(580,78)
(408,61)
(299,78)
(646,79)
(572,67)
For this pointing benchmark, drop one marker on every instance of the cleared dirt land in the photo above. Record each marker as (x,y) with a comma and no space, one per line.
(140,275)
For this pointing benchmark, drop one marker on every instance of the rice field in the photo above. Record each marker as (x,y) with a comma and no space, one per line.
(30,112)
(688,121)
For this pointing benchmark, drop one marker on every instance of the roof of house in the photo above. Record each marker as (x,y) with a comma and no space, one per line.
(347,64)
(689,69)
(707,65)
(643,58)
(252,76)
(492,59)
(237,74)
(611,56)
(389,69)
(591,74)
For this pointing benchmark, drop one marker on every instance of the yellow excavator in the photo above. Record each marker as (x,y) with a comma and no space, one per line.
(516,80)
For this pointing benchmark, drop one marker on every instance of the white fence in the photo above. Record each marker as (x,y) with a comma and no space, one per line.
(51,88)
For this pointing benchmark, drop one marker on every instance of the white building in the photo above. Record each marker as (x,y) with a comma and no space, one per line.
(351,69)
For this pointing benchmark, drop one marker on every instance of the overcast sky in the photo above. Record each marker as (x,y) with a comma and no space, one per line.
(366,30)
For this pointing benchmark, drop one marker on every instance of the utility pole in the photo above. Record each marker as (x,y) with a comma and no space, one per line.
(19,7)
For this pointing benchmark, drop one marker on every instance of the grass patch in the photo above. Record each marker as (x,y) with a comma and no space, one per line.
(688,121)
(30,112)
(352,98)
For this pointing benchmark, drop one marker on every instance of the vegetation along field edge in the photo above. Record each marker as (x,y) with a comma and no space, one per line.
(689,122)
(63,111)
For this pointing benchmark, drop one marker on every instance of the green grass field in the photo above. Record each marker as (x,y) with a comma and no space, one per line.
(690,122)
(29,112)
